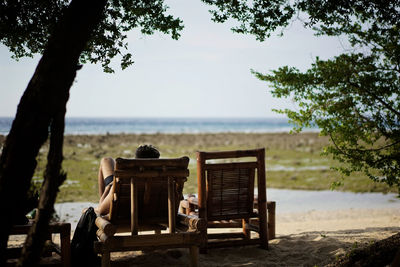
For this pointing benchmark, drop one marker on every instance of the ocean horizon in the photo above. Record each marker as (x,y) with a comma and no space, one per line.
(144,125)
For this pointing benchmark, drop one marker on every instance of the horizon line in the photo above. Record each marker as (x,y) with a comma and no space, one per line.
(164,117)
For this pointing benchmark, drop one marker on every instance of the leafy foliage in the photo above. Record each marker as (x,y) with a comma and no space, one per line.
(355,97)
(25,27)
(258,17)
(261,17)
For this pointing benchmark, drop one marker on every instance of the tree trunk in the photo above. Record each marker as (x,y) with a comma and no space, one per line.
(43,100)
(53,178)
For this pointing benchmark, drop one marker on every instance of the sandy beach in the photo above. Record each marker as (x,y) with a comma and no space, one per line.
(303,239)
(310,237)
(314,238)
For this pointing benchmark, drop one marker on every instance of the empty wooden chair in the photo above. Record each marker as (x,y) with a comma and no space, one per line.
(226,198)
(146,195)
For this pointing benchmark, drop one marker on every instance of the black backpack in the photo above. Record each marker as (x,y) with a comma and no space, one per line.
(82,244)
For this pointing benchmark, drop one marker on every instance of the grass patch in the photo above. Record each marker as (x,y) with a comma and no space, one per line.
(292,161)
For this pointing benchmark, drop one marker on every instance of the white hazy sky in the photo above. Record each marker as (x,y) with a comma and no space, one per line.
(206,73)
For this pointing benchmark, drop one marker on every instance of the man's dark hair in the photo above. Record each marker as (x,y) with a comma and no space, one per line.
(147,151)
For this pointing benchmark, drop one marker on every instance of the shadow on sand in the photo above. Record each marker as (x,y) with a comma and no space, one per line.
(304,249)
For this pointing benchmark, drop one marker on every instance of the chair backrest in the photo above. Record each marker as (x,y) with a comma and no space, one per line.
(226,190)
(147,191)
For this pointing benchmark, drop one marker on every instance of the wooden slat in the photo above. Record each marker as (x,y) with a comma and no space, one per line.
(230,154)
(147,191)
(231,165)
(193,222)
(52,228)
(231,217)
(262,200)
(171,205)
(103,224)
(141,242)
(131,163)
(225,235)
(251,227)
(229,192)
(101,235)
(251,193)
(219,224)
(124,228)
(152,190)
(154,174)
(201,182)
(134,208)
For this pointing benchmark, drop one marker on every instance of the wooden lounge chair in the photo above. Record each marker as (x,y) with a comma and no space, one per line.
(146,198)
(226,198)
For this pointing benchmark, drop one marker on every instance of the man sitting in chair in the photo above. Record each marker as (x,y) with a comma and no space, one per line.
(106,176)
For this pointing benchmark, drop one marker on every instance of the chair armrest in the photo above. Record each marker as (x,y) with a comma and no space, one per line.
(108,228)
(193,222)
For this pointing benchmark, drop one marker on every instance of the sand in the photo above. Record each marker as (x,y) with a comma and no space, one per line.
(312,238)
(303,239)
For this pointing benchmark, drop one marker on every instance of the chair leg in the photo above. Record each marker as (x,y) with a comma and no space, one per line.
(65,239)
(246,231)
(203,246)
(194,256)
(263,233)
(47,253)
(105,259)
(271,206)
(262,220)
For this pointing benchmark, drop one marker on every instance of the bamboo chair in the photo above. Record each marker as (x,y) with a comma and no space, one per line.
(226,198)
(146,195)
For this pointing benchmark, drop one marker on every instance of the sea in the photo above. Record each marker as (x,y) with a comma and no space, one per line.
(93,126)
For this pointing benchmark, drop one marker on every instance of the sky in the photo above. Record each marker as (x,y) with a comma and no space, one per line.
(206,73)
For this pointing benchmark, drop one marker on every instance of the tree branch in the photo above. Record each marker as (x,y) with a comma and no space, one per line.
(367,120)
(360,150)
(389,107)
